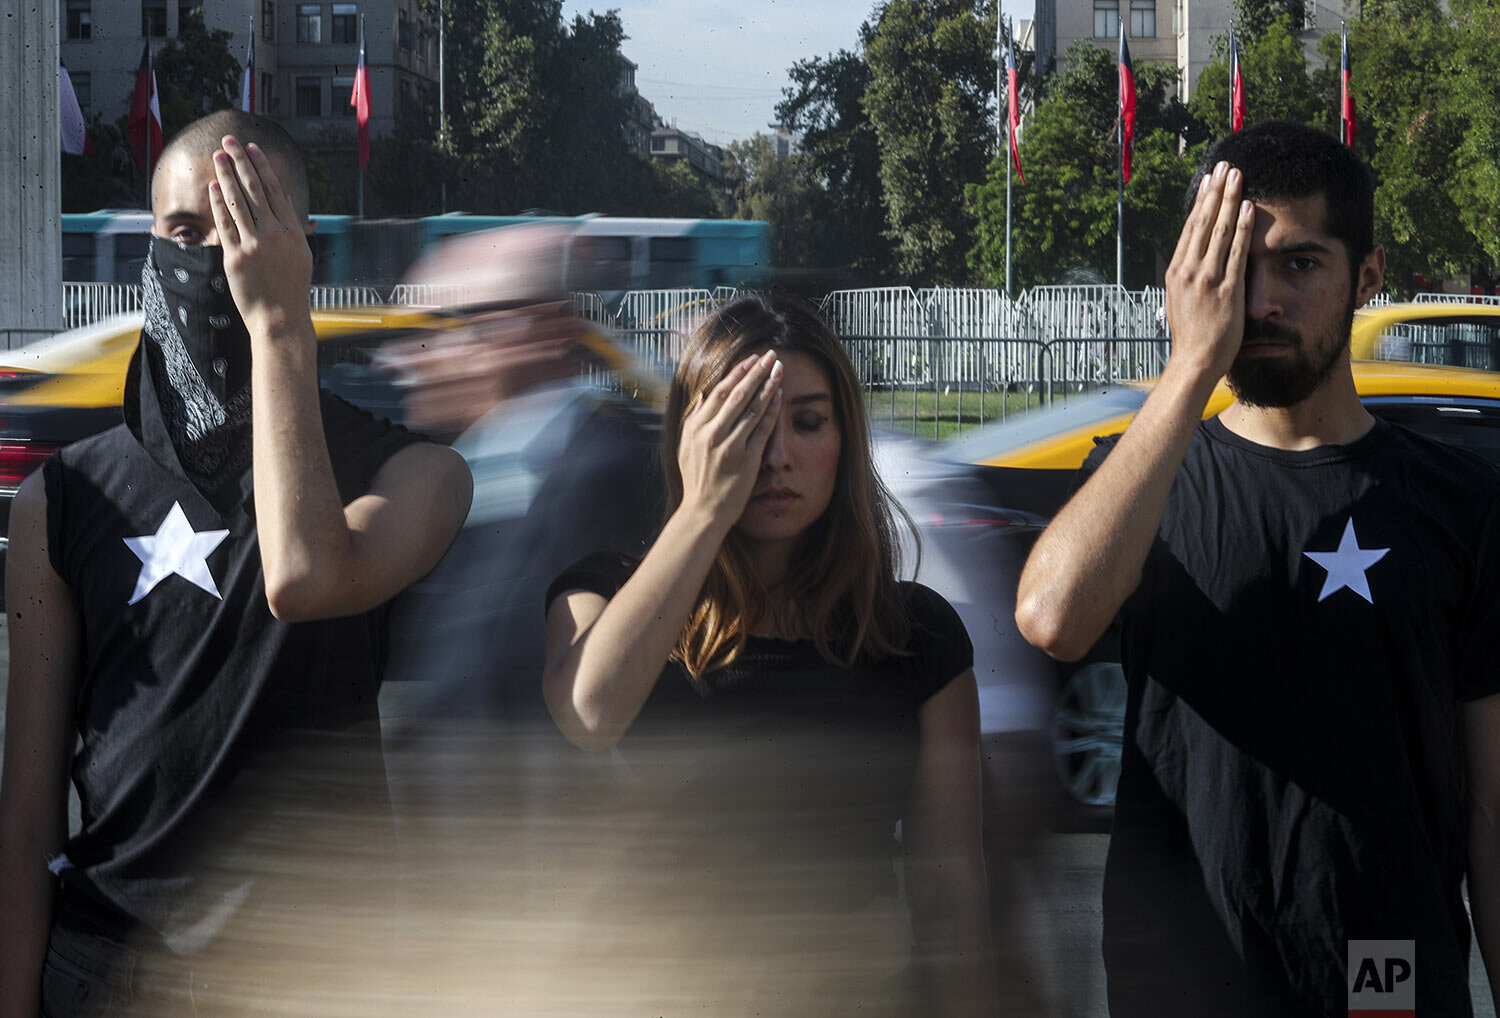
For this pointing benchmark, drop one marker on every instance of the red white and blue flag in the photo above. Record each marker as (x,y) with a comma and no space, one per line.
(1013,99)
(1346,97)
(247,83)
(144,124)
(1236,85)
(359,98)
(1127,106)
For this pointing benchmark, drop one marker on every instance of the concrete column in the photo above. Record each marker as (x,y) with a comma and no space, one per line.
(30,181)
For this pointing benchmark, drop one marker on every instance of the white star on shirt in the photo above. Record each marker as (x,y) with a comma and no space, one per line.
(1346,567)
(175,548)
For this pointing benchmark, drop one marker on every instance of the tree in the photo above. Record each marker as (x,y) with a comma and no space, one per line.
(783,191)
(1475,68)
(1278,85)
(1411,132)
(932,69)
(1253,18)
(196,73)
(1064,218)
(842,156)
(536,112)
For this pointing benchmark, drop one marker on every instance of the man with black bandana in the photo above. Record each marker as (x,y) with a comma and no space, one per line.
(197,594)
(1309,602)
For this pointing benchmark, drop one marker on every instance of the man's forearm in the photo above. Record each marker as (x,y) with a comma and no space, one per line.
(1089,559)
(303,533)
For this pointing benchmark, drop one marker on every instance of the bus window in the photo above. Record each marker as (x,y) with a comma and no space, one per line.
(130,256)
(598,264)
(78,258)
(671,262)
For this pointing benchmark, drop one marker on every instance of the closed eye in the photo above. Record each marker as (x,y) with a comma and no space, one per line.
(808,422)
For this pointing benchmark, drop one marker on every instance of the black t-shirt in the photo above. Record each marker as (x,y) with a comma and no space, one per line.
(1307,627)
(786,771)
(212,733)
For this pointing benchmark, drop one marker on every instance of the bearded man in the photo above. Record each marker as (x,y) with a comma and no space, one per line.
(1309,602)
(195,599)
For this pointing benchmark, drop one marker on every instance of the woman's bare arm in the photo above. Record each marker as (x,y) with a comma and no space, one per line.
(603,657)
(943,837)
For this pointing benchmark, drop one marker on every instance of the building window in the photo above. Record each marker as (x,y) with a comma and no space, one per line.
(83,88)
(1143,18)
(268,20)
(309,97)
(345,23)
(343,88)
(185,12)
(265,101)
(153,18)
(1106,18)
(309,22)
(406,32)
(80,19)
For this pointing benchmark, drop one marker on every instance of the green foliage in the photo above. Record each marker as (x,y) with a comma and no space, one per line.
(1411,130)
(1471,101)
(1064,217)
(106,179)
(842,153)
(1253,18)
(196,73)
(783,192)
(932,72)
(534,120)
(1278,84)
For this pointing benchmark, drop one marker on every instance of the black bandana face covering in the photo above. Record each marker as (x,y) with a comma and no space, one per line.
(197,350)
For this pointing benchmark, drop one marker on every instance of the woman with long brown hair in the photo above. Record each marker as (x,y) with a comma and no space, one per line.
(792,717)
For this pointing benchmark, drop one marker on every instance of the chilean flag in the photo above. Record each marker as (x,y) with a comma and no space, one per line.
(145,115)
(1236,85)
(1013,97)
(247,83)
(75,133)
(359,98)
(1346,98)
(1127,105)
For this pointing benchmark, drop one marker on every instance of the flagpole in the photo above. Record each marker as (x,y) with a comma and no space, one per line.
(442,117)
(360,211)
(1120,209)
(1009,155)
(1120,176)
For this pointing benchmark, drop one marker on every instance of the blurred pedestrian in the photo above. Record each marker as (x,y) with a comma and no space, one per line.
(781,704)
(196,594)
(1309,609)
(489,797)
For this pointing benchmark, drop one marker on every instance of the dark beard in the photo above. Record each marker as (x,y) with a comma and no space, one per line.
(1275,383)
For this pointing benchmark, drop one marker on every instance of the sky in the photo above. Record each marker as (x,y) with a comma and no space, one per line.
(718,67)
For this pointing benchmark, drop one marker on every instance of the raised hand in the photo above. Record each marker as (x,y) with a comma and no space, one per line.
(266,258)
(724,437)
(1206,280)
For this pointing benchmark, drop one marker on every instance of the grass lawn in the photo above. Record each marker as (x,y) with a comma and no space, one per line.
(929,414)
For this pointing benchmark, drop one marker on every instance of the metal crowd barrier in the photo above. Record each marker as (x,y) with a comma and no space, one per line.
(958,344)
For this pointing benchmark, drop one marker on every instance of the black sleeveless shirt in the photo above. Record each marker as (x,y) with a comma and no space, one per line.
(213,734)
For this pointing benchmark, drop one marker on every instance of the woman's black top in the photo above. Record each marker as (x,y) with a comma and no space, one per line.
(779,780)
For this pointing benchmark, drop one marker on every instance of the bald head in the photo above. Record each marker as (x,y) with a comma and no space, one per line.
(196,143)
